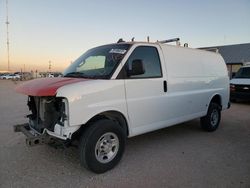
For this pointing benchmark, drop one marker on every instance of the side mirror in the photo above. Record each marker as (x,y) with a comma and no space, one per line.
(137,68)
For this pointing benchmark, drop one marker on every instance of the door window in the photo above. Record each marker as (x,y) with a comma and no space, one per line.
(150,57)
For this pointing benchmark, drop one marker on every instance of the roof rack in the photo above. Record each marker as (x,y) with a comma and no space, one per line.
(216,50)
(177,40)
(120,40)
(169,40)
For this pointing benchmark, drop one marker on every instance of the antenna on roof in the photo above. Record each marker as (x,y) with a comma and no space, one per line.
(120,40)
(133,39)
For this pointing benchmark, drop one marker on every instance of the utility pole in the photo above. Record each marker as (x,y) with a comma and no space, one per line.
(7,27)
(49,66)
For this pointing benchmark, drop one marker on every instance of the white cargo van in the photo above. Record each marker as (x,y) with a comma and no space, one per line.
(121,90)
(240,84)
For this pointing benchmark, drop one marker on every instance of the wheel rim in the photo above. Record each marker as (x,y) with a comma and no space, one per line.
(107,147)
(214,117)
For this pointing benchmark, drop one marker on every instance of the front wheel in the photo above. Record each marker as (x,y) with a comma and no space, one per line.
(102,145)
(211,121)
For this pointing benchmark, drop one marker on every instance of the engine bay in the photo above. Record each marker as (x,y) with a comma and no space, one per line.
(46,112)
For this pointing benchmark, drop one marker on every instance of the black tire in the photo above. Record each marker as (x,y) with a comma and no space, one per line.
(93,137)
(211,121)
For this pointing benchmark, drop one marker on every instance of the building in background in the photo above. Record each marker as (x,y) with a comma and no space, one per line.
(234,55)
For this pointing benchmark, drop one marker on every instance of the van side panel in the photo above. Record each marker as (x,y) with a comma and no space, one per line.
(194,77)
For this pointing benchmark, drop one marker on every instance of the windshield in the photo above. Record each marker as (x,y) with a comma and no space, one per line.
(99,62)
(244,72)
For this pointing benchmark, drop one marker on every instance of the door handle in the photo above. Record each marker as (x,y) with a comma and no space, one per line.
(165,86)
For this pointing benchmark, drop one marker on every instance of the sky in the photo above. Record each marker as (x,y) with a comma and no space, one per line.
(60,31)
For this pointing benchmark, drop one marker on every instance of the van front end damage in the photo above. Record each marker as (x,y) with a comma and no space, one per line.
(48,121)
(31,137)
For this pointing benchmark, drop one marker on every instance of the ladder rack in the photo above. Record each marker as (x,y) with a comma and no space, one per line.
(169,40)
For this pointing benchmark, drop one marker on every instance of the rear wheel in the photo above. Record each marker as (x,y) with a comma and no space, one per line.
(102,145)
(211,121)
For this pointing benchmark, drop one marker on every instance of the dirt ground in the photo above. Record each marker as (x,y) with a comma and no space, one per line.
(179,156)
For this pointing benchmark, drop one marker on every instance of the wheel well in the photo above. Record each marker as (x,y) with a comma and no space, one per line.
(118,117)
(216,99)
(112,115)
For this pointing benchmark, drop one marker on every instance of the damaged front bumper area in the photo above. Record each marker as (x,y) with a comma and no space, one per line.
(48,121)
(32,138)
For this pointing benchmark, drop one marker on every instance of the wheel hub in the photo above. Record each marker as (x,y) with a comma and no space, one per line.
(214,117)
(106,147)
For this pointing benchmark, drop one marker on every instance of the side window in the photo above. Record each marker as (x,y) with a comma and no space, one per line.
(150,57)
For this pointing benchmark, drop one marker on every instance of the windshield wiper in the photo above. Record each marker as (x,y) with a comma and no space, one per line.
(76,75)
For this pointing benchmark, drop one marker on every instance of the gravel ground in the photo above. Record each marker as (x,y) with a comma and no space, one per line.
(178,156)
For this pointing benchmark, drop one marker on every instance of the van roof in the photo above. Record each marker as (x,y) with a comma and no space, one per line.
(161,44)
